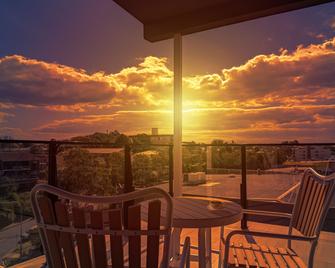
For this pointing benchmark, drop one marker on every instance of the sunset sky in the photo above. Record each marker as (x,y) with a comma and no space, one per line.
(71,68)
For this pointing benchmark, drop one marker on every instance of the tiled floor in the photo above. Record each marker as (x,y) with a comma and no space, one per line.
(324,258)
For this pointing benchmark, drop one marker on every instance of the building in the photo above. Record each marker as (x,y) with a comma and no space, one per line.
(300,153)
(19,166)
(154,138)
(304,153)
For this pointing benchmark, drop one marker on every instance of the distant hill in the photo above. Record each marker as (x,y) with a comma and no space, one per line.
(98,137)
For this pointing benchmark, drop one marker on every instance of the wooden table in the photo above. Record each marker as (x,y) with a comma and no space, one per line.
(202,214)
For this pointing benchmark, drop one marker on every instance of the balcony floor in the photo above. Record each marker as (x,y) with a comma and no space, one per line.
(323,258)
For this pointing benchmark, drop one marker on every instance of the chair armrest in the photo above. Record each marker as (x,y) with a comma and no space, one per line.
(267,213)
(185,256)
(271,235)
(261,234)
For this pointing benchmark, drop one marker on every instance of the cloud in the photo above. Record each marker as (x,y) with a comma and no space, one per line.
(305,74)
(280,96)
(271,124)
(148,85)
(4,116)
(130,122)
(53,86)
(29,81)
(273,79)
(239,124)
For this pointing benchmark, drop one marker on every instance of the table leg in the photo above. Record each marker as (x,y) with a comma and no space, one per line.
(209,247)
(175,243)
(202,247)
(221,247)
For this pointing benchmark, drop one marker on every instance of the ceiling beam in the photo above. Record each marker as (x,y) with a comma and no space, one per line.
(222,14)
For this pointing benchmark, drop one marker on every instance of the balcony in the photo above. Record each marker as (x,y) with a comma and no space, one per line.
(268,183)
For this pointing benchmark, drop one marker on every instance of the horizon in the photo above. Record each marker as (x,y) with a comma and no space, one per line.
(270,83)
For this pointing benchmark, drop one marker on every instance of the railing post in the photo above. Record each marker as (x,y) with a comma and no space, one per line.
(52,170)
(128,174)
(128,181)
(243,186)
(171,169)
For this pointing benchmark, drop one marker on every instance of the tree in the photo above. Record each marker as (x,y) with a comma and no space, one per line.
(226,157)
(122,140)
(150,167)
(194,158)
(85,173)
(142,169)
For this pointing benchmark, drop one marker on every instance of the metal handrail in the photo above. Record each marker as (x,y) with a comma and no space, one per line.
(167,145)
(54,145)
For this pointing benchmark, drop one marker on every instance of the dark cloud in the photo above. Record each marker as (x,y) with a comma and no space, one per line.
(33,82)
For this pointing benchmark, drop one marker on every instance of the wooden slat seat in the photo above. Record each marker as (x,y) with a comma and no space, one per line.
(262,256)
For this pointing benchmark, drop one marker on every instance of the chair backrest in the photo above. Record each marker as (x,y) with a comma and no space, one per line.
(92,231)
(312,203)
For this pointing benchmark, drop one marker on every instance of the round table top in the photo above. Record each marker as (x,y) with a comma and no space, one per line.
(189,212)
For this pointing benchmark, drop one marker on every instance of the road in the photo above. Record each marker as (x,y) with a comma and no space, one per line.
(10,235)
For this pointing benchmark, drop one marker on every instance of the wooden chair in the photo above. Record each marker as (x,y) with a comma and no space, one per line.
(309,213)
(93,231)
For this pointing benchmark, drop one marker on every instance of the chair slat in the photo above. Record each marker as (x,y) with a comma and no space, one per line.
(310,204)
(299,201)
(297,260)
(250,256)
(134,223)
(315,197)
(115,223)
(242,258)
(233,256)
(278,257)
(263,256)
(99,246)
(154,211)
(65,239)
(47,213)
(287,258)
(83,245)
(268,256)
(304,204)
(260,258)
(318,209)
(245,254)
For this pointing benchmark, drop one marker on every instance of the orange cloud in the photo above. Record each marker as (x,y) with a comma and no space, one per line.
(130,122)
(289,94)
(271,78)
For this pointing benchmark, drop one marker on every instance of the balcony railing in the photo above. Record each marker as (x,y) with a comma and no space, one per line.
(195,159)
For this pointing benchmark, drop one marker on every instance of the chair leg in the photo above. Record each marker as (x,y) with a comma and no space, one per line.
(221,247)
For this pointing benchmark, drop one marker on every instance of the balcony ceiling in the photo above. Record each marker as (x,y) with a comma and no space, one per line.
(162,19)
